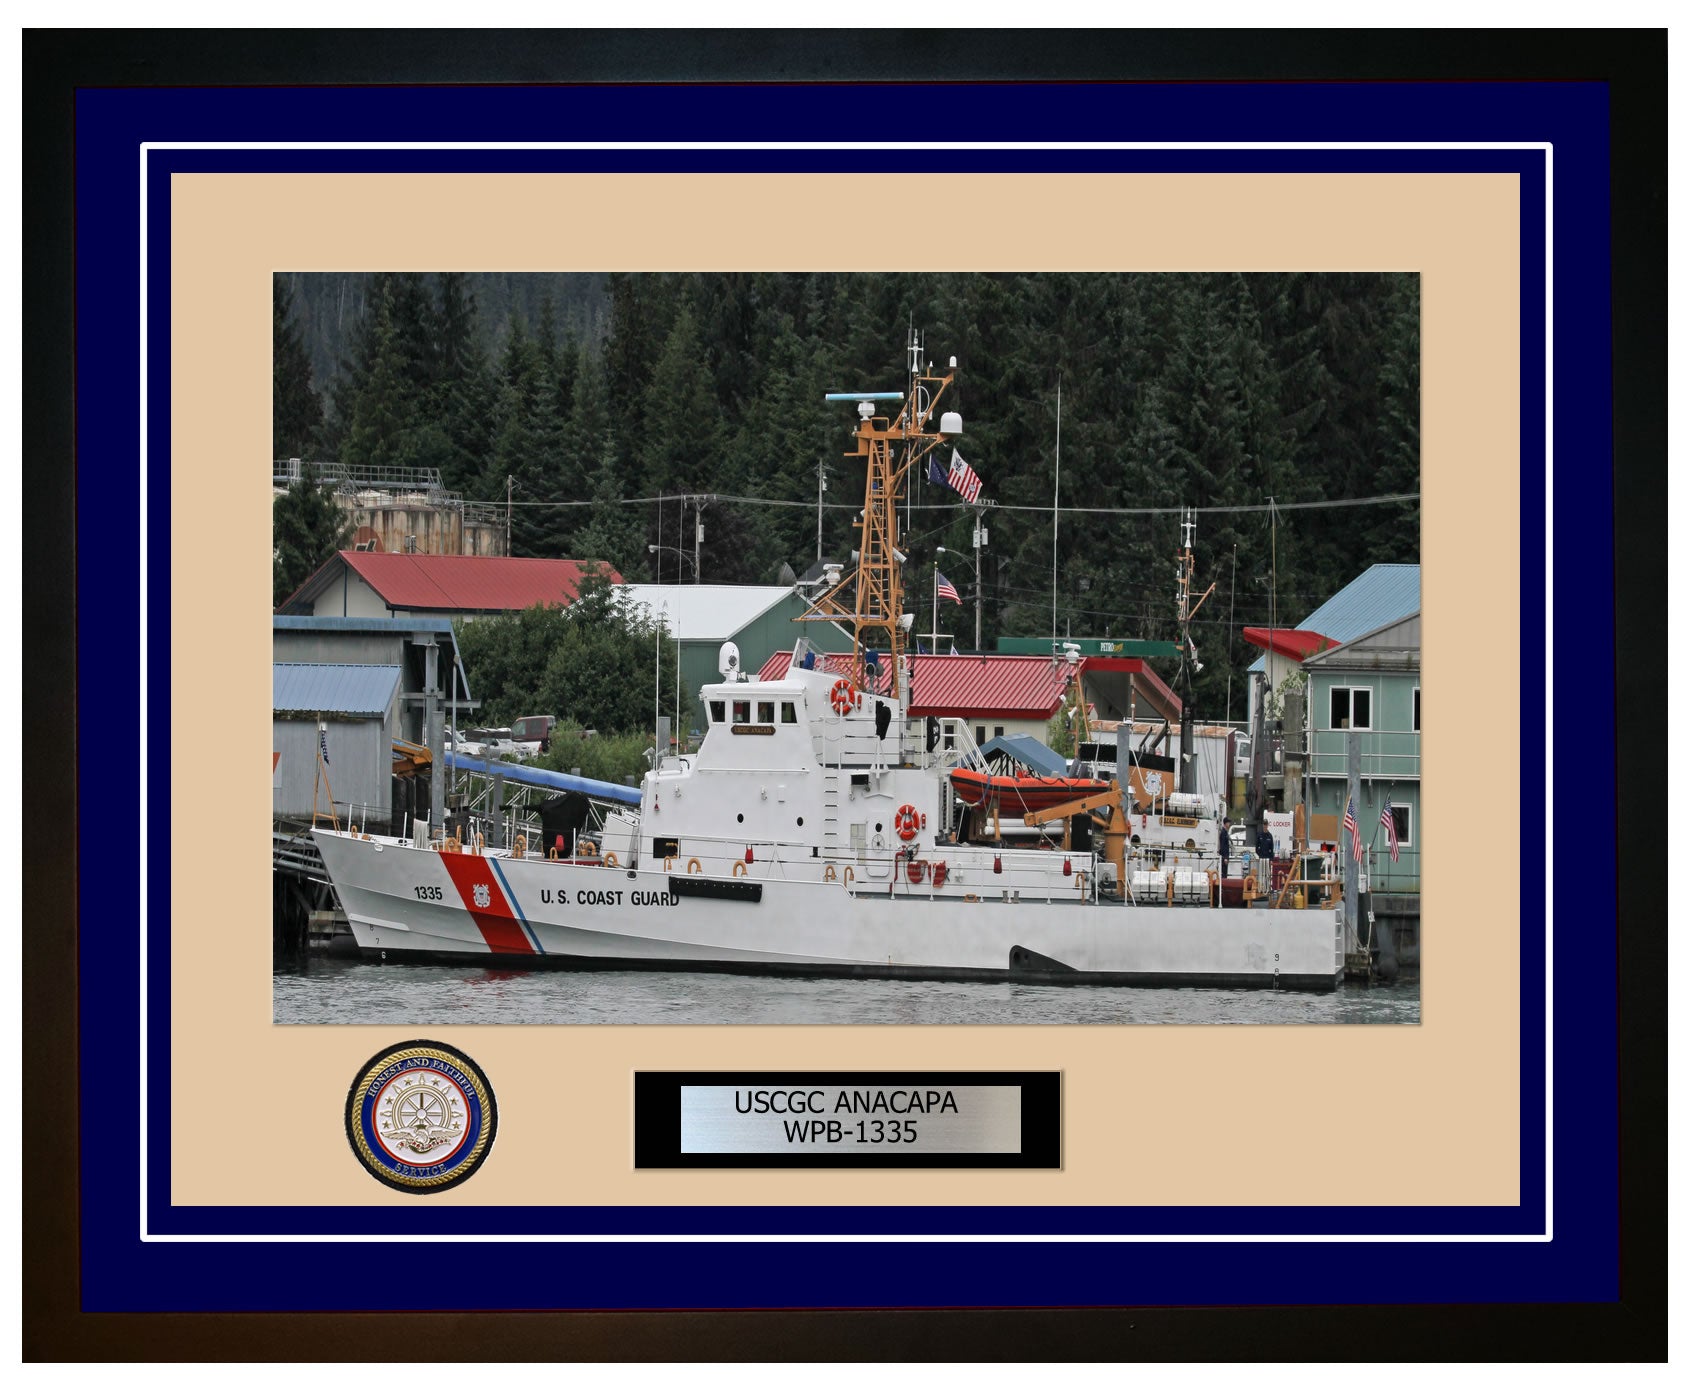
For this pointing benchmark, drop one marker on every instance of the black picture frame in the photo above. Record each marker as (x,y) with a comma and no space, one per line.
(56,63)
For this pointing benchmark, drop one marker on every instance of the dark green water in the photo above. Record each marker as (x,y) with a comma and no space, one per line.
(319,990)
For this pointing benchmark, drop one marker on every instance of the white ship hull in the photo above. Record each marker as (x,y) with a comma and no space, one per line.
(406,903)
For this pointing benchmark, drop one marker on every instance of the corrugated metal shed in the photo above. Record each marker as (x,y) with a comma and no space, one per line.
(1387,592)
(1019,686)
(356,771)
(339,689)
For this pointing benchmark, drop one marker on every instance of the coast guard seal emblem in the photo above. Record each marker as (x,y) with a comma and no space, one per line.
(420,1116)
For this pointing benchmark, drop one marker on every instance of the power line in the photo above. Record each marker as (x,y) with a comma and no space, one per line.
(1001,509)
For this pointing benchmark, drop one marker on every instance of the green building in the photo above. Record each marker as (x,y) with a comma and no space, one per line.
(1372,685)
(760,620)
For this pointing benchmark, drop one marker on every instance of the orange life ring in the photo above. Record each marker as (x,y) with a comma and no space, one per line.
(917,871)
(908,822)
(843,697)
(610,860)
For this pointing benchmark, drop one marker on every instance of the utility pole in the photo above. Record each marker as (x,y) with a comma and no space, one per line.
(696,563)
(1233,580)
(979,601)
(510,516)
(820,504)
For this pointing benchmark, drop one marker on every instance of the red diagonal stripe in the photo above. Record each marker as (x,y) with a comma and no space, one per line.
(501,930)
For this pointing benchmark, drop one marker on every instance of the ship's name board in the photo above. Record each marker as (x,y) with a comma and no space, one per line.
(848,1119)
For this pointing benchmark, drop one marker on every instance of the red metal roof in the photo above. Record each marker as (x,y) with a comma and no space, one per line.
(430,581)
(1297,645)
(1019,686)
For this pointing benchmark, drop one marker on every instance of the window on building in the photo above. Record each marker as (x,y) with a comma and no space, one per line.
(788,713)
(740,713)
(979,735)
(1348,708)
(997,730)
(1416,708)
(764,713)
(717,711)
(1402,822)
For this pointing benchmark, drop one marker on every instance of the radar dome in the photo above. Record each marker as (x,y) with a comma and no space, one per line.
(729,661)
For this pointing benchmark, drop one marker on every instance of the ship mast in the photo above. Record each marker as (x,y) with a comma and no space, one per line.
(870,598)
(1185,606)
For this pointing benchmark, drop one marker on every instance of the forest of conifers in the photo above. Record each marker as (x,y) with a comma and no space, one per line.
(1212,390)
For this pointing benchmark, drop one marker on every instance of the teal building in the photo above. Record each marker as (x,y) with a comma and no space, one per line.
(1372,685)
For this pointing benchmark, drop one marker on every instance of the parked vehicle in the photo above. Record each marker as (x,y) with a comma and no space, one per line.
(531,735)
(482,742)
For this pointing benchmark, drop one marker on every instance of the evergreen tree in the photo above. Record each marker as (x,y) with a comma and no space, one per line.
(636,325)
(297,413)
(382,412)
(1393,535)
(463,395)
(541,529)
(417,328)
(457,324)
(682,430)
(614,533)
(308,526)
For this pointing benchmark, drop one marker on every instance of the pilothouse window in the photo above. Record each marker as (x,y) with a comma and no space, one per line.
(788,713)
(764,713)
(740,713)
(717,711)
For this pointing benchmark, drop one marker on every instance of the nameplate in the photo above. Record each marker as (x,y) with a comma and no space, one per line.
(849,1119)
(752,730)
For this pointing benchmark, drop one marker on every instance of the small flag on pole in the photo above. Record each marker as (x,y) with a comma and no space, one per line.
(935,472)
(1351,821)
(1392,829)
(947,591)
(962,478)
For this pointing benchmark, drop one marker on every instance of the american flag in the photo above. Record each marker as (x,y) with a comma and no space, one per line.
(946,589)
(1392,830)
(962,478)
(1352,826)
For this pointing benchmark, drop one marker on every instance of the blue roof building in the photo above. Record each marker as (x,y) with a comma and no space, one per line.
(1384,593)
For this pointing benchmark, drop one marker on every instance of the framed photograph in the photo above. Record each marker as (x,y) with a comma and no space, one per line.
(845,679)
(1045,816)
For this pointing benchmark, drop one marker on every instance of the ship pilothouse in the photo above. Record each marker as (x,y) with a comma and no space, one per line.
(810,777)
